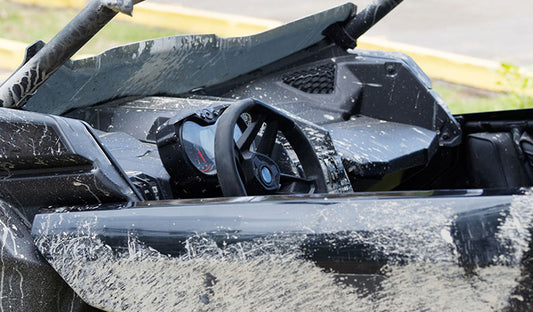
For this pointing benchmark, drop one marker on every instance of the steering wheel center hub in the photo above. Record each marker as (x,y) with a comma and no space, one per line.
(266,172)
(266,175)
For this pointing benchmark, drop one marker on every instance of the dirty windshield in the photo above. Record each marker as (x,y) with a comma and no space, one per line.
(175,65)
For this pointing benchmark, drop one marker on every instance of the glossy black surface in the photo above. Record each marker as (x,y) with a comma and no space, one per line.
(166,225)
(92,167)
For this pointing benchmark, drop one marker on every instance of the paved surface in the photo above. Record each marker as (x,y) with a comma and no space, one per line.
(496,30)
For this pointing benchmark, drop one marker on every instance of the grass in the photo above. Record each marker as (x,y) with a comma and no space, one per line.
(462,99)
(28,23)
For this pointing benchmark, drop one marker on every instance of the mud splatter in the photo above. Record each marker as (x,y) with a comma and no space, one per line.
(270,274)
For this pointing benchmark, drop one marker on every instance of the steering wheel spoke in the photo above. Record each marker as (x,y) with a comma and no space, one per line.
(268,139)
(295,184)
(249,135)
(245,166)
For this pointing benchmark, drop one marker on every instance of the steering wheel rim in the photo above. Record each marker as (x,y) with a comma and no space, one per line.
(241,171)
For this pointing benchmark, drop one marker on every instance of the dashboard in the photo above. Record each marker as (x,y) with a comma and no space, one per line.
(166,145)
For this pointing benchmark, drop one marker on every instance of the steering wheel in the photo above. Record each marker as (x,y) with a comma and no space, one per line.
(246,167)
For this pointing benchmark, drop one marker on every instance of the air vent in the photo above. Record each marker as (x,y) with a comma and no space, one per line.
(315,80)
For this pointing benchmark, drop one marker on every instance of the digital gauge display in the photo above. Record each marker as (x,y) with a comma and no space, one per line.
(199,145)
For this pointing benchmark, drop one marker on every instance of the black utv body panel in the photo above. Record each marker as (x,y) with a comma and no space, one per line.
(102,196)
(60,160)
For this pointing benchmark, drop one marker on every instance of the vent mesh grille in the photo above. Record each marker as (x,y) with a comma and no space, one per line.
(316,80)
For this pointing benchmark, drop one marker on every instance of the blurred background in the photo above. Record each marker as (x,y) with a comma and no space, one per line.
(497,30)
(493,36)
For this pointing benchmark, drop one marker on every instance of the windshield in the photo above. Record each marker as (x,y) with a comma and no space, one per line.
(175,65)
